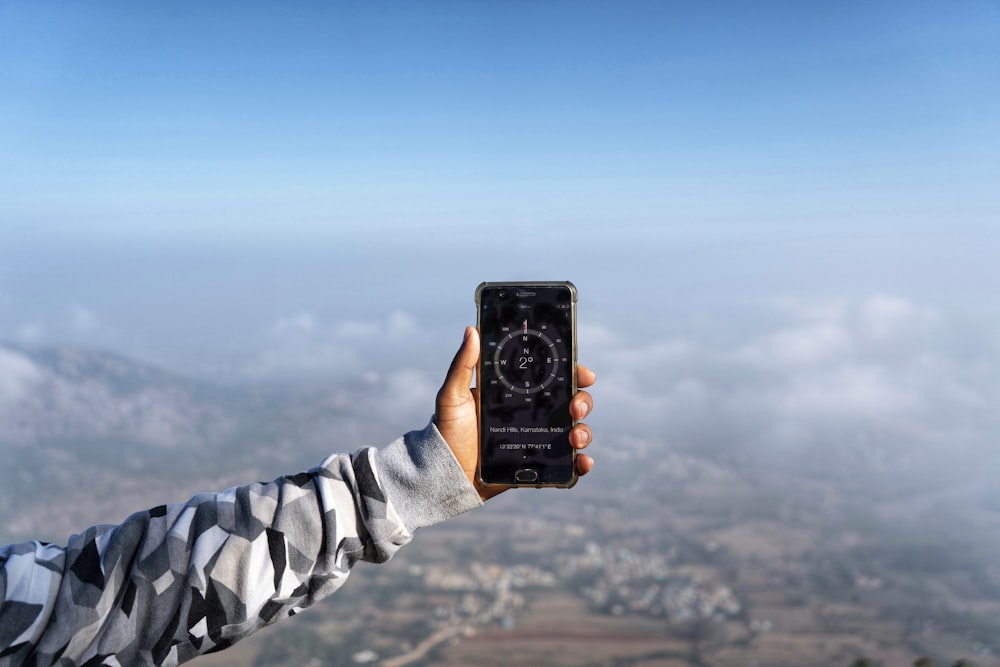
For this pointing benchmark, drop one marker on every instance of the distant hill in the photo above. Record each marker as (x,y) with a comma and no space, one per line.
(51,394)
(89,436)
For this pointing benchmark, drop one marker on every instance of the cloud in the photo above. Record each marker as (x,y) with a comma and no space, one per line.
(17,375)
(888,318)
(407,396)
(810,344)
(356,330)
(401,324)
(30,332)
(86,325)
(302,345)
(874,379)
(850,391)
(77,324)
(300,324)
(83,320)
(306,359)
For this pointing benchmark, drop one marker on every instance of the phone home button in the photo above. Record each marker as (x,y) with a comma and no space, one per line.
(526,475)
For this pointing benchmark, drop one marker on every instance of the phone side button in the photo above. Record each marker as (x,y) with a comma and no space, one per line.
(526,476)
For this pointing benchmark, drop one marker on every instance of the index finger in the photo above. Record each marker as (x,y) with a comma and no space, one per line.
(585,377)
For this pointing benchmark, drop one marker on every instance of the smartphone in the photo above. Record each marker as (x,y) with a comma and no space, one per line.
(526,378)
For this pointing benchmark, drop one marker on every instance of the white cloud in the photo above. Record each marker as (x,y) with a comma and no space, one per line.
(401,324)
(83,320)
(878,374)
(886,318)
(594,336)
(30,332)
(850,391)
(806,345)
(302,345)
(17,375)
(356,330)
(409,394)
(308,359)
(85,324)
(300,324)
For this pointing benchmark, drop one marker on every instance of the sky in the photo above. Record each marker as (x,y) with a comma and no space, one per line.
(265,190)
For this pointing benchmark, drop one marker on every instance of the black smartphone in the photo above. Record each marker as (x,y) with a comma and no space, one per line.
(526,378)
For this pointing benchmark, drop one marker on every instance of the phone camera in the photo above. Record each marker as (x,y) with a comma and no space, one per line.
(502,294)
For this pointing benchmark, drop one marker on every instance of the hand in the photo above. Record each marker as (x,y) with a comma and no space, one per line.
(456,417)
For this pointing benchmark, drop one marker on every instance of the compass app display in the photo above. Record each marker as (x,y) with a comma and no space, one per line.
(526,380)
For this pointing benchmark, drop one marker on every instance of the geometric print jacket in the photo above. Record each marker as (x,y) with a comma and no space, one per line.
(176,581)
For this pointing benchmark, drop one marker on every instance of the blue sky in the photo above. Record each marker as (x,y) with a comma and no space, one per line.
(178,179)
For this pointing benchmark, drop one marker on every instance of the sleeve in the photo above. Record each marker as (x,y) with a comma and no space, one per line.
(180,580)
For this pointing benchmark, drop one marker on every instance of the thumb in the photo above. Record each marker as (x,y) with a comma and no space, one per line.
(463,366)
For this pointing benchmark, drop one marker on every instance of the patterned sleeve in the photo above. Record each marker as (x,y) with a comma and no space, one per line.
(180,580)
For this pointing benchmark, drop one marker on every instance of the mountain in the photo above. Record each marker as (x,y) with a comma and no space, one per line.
(88,436)
(54,394)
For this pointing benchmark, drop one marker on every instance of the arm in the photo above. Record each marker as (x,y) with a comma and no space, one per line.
(180,580)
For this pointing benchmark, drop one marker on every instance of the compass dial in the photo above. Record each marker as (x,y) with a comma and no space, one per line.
(526,360)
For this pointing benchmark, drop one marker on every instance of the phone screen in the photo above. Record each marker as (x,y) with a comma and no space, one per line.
(526,380)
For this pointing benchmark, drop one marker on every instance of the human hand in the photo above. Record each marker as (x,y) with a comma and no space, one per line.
(456,418)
